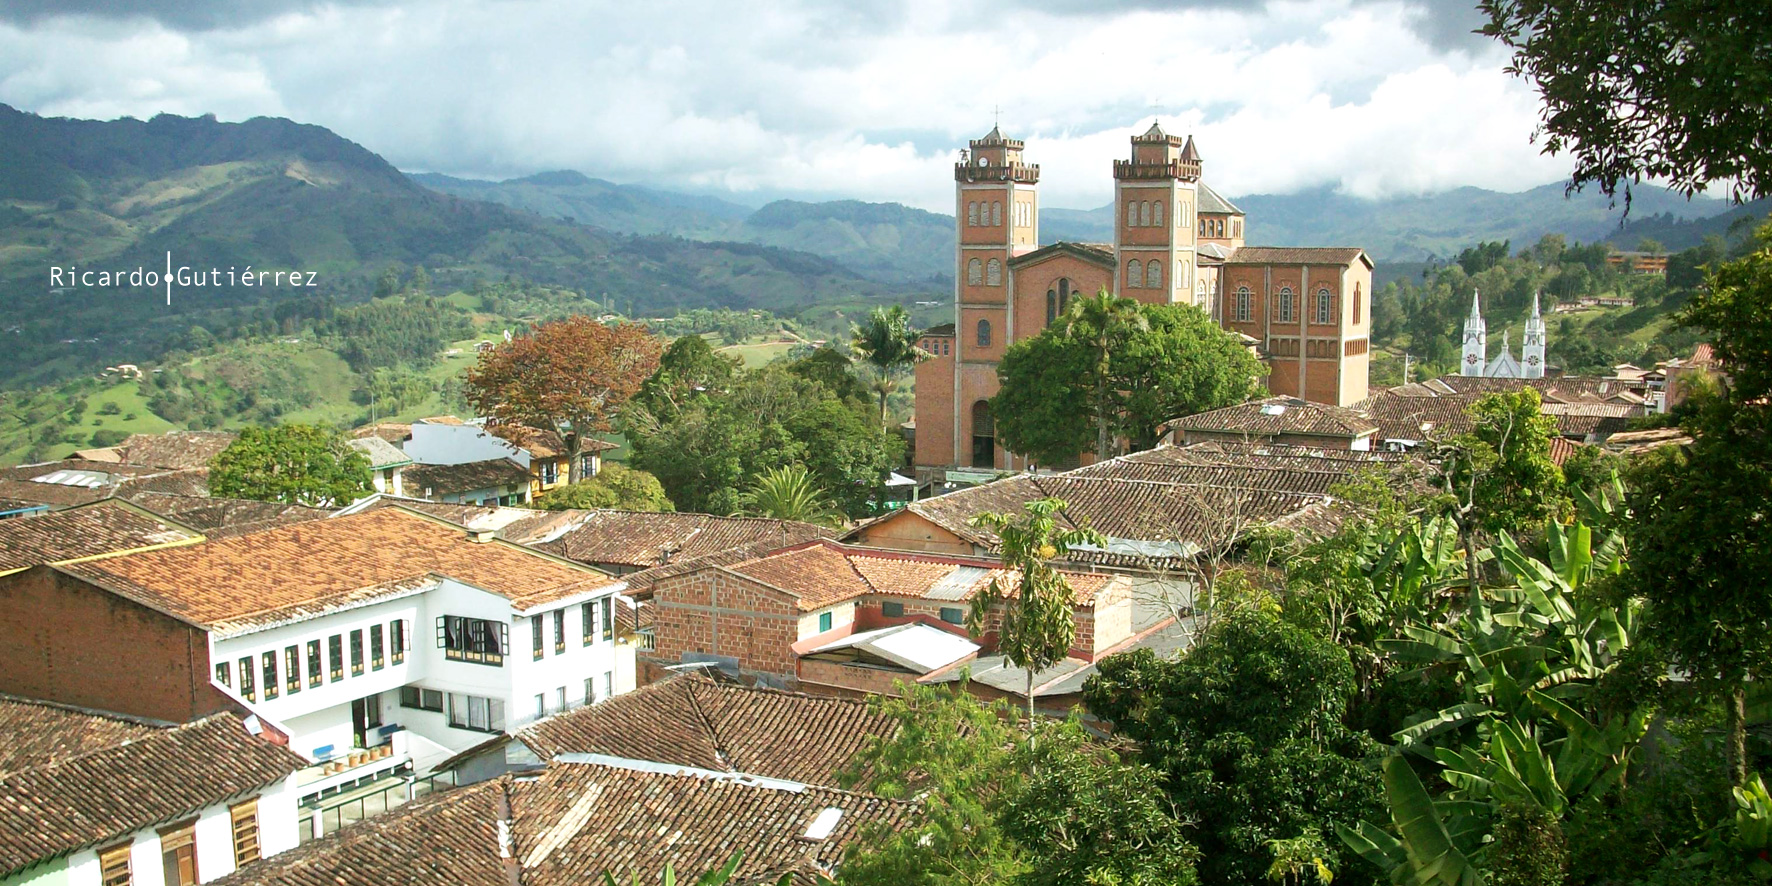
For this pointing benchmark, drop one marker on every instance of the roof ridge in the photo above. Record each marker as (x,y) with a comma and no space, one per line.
(92,712)
(721,754)
(178,729)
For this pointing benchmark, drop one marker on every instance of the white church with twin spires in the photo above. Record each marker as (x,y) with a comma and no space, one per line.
(1476,347)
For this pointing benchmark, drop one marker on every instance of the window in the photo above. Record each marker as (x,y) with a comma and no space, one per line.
(984,333)
(974,272)
(608,684)
(357,653)
(419,698)
(1157,214)
(541,705)
(824,622)
(559,631)
(178,853)
(221,674)
(993,273)
(314,663)
(1057,299)
(376,649)
(292,669)
(590,690)
(1134,274)
(608,618)
(588,616)
(246,690)
(476,713)
(1356,302)
(535,630)
(972,213)
(1283,305)
(1144,214)
(113,866)
(984,435)
(1153,274)
(269,660)
(245,818)
(335,657)
(550,472)
(892,609)
(996,213)
(473,639)
(560,699)
(397,640)
(1131,214)
(1325,306)
(1243,304)
(953,615)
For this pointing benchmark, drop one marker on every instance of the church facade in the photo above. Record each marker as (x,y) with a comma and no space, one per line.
(1476,361)
(1305,310)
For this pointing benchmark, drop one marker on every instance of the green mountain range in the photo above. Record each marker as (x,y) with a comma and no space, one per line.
(277,195)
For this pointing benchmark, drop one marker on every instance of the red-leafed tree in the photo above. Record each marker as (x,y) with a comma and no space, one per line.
(568,376)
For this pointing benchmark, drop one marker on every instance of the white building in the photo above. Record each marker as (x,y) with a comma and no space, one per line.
(382,643)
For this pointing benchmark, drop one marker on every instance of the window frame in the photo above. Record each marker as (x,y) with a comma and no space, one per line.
(377,650)
(826,620)
(1244,305)
(357,652)
(475,641)
(538,636)
(608,618)
(982,333)
(248,686)
(1325,306)
(292,669)
(335,658)
(560,631)
(891,609)
(959,617)
(1134,274)
(316,667)
(173,838)
(109,858)
(397,641)
(224,673)
(246,839)
(268,662)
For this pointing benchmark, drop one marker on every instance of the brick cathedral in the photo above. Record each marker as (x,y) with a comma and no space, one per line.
(1305,310)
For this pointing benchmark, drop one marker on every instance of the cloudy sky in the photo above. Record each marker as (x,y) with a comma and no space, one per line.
(816,98)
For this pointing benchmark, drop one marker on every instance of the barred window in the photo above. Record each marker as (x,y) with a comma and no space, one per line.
(1325,306)
(1244,312)
(1283,305)
(245,819)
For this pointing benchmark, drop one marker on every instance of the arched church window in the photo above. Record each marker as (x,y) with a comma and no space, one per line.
(1153,274)
(1325,306)
(1283,305)
(971,213)
(1144,213)
(984,333)
(1131,214)
(1134,274)
(1200,293)
(993,273)
(974,272)
(1157,214)
(1057,299)
(996,212)
(1244,314)
(1356,302)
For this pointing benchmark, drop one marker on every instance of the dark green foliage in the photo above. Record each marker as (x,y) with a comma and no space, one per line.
(386,332)
(294,464)
(1528,850)
(1247,733)
(107,437)
(829,367)
(615,486)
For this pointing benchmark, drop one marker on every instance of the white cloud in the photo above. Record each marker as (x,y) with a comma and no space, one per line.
(820,99)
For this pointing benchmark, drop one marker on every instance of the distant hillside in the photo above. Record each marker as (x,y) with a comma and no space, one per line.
(1411,229)
(883,241)
(274,194)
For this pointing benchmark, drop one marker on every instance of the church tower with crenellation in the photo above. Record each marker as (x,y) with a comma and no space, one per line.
(1156,194)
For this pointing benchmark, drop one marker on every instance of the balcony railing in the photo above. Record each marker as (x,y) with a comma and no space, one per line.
(1184,170)
(1025,173)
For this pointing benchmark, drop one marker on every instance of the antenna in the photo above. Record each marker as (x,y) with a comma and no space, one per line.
(996,116)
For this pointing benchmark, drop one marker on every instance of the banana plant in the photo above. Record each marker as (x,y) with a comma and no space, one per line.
(1436,843)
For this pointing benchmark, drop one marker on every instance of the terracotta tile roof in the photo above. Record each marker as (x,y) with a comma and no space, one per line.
(224,517)
(87,799)
(1631,442)
(1298,255)
(642,540)
(175,449)
(524,526)
(1437,408)
(695,721)
(1561,448)
(38,484)
(1281,415)
(493,473)
(941,329)
(392,431)
(824,572)
(640,583)
(546,444)
(233,585)
(88,531)
(37,733)
(579,820)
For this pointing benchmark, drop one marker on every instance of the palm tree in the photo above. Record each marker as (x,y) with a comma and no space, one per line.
(888,342)
(1102,320)
(788,493)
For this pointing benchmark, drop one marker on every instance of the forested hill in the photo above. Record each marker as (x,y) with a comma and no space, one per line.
(888,242)
(275,194)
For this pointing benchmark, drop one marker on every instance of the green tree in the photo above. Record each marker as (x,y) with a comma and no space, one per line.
(1037,620)
(888,341)
(1112,368)
(788,493)
(1247,732)
(615,486)
(1701,533)
(1676,90)
(831,368)
(1499,475)
(688,369)
(296,464)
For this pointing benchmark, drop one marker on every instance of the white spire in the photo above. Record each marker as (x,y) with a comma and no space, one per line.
(1533,342)
(1535,314)
(1476,304)
(1476,340)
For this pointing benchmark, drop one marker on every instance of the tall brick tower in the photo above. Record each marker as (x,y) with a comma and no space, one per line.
(1156,195)
(996,206)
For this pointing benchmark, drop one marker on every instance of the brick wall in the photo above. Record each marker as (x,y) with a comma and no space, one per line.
(716,612)
(70,642)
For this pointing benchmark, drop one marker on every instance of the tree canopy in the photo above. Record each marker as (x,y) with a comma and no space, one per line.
(571,377)
(615,486)
(1113,368)
(295,464)
(888,342)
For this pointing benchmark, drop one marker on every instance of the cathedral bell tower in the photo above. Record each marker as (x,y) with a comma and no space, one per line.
(1532,351)
(1476,339)
(1155,199)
